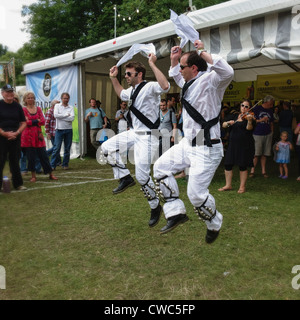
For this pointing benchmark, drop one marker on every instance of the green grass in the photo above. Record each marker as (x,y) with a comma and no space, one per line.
(61,240)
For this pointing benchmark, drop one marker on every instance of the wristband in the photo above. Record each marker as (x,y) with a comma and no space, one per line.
(199,51)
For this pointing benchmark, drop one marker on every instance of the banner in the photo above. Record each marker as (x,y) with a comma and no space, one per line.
(237,91)
(2,78)
(284,86)
(50,84)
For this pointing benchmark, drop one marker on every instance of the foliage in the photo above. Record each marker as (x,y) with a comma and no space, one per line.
(61,26)
(3,50)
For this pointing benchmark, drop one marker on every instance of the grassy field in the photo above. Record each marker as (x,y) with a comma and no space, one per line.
(73,239)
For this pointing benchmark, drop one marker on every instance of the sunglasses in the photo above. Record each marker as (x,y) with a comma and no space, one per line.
(182,67)
(129,74)
(243,105)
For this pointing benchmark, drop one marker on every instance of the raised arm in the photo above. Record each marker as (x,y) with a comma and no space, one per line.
(160,77)
(113,72)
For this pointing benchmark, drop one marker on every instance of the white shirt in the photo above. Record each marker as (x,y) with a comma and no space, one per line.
(147,102)
(205,95)
(122,123)
(64,116)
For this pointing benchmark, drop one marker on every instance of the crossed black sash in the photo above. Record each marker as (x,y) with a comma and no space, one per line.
(137,113)
(196,116)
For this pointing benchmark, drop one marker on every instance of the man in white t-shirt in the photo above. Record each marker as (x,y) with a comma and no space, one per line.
(64,115)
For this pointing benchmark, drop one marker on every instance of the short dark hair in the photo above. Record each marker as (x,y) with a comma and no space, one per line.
(138,66)
(195,59)
(65,94)
(92,99)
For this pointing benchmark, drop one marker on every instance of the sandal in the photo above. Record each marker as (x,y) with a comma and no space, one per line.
(241,191)
(251,175)
(225,189)
(52,177)
(33,180)
(265,175)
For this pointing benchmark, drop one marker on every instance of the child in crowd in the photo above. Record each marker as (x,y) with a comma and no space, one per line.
(283,148)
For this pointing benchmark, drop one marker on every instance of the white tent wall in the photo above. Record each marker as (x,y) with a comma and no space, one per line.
(257,37)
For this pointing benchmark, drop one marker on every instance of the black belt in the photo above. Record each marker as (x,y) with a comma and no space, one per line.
(213,141)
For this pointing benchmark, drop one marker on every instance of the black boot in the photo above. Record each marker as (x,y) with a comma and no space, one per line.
(125,183)
(211,235)
(155,215)
(174,221)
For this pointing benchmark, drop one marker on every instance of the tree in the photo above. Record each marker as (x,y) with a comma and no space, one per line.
(3,49)
(61,26)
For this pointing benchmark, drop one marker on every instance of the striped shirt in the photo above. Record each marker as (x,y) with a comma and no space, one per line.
(50,122)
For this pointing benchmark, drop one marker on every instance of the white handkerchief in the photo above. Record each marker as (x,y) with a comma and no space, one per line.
(184,28)
(145,50)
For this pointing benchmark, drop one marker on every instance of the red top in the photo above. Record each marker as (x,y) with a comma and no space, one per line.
(30,136)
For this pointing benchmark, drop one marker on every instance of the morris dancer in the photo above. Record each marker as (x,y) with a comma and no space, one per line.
(144,97)
(202,94)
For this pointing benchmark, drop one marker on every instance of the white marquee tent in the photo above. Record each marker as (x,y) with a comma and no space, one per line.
(256,37)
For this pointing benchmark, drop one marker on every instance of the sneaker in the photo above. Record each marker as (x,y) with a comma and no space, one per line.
(298,179)
(21,188)
(280,176)
(284,177)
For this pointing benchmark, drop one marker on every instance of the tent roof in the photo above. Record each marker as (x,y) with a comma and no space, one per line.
(250,34)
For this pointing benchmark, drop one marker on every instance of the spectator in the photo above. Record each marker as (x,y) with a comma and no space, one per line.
(121,117)
(276,133)
(97,121)
(171,102)
(50,124)
(286,120)
(240,150)
(64,115)
(283,148)
(12,124)
(297,133)
(263,134)
(32,139)
(167,127)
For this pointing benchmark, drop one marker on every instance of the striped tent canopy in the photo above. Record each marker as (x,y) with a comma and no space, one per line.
(254,36)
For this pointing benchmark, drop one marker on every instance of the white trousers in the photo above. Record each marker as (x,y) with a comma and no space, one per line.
(142,150)
(202,162)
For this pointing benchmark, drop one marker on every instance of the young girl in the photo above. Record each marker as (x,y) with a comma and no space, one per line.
(283,148)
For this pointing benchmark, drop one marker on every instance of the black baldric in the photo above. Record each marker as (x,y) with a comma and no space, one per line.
(196,116)
(137,113)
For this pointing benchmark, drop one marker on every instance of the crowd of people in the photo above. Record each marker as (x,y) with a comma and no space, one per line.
(247,134)
(22,142)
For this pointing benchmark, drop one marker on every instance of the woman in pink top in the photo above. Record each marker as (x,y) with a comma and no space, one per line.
(32,139)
